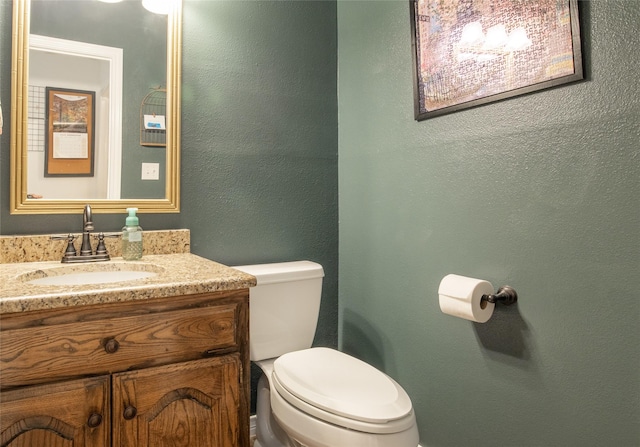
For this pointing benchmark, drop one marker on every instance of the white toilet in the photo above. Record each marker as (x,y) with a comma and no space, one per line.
(315,397)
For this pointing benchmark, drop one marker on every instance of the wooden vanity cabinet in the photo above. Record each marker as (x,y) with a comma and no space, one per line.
(155,373)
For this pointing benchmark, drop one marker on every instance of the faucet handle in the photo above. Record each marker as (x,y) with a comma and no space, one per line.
(111,234)
(71,249)
(101,249)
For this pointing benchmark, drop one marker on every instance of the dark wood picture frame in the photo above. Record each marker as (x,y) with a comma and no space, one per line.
(467,54)
(70,141)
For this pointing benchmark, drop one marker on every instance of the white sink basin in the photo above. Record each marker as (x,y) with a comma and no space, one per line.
(88,274)
(78,279)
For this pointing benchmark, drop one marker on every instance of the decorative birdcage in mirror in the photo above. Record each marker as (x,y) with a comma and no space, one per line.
(153,130)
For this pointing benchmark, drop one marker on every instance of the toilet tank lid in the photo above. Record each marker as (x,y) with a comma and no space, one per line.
(283,271)
(342,385)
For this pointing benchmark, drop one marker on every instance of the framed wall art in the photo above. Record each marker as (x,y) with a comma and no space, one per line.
(70,142)
(472,52)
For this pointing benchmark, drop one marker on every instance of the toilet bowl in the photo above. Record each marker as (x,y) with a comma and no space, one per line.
(315,397)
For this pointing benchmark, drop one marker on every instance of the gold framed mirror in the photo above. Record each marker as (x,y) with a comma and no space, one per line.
(22,200)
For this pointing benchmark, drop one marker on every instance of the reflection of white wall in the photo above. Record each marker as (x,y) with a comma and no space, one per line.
(65,71)
(67,68)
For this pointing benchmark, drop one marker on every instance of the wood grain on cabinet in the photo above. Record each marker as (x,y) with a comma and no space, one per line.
(180,362)
(66,414)
(149,409)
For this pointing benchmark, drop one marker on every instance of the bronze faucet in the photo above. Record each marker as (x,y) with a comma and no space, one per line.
(86,252)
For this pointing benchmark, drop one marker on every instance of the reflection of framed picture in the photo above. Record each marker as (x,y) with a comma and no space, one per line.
(70,142)
(468,53)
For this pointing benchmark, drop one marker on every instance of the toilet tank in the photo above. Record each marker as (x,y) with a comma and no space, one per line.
(283,307)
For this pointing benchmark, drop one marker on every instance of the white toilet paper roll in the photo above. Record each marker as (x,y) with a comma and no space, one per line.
(462,297)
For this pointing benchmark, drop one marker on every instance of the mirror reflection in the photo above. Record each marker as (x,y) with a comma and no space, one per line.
(102,107)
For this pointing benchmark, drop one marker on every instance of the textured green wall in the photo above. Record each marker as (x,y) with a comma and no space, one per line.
(259,159)
(540,192)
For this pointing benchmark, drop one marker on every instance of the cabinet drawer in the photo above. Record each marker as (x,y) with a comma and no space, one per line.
(48,353)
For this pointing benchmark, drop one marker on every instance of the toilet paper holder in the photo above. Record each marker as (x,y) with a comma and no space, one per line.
(505,295)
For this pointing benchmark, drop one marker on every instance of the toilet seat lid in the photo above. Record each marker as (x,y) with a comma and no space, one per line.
(343,385)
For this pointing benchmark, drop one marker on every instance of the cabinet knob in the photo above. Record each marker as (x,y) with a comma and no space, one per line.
(111,346)
(130,412)
(94,420)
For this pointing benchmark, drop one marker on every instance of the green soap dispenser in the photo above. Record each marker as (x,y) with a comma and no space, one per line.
(131,237)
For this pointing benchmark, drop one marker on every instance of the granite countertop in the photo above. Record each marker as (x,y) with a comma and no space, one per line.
(176,274)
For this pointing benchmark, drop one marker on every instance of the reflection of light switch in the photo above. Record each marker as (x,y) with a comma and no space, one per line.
(150,171)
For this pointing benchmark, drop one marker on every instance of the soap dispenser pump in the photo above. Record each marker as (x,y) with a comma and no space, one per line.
(131,237)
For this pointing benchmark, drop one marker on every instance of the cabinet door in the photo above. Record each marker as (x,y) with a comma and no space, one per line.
(67,414)
(193,403)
